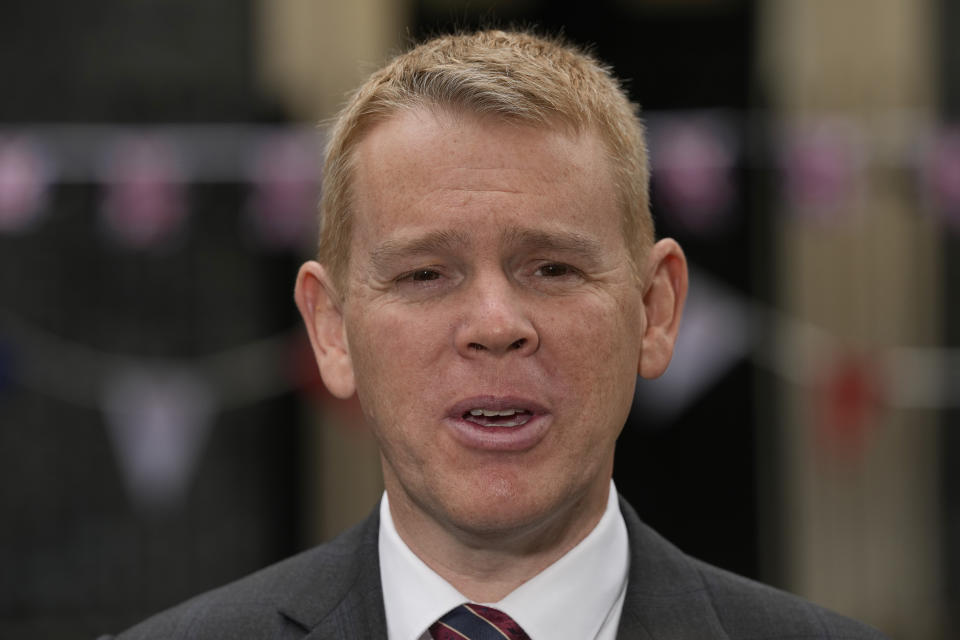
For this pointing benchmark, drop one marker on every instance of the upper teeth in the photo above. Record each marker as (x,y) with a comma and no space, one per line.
(489,413)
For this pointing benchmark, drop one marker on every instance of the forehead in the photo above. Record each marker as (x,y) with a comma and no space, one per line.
(424,140)
(428,168)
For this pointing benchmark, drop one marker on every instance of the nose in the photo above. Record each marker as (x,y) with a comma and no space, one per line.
(495,322)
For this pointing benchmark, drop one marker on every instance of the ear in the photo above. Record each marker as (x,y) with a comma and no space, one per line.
(319,305)
(665,289)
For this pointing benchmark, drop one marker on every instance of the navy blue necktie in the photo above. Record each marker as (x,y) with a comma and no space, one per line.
(476,622)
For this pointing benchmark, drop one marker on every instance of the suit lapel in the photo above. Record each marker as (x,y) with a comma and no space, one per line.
(358,615)
(338,594)
(666,597)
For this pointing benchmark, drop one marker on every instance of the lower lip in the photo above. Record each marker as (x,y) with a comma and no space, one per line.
(520,438)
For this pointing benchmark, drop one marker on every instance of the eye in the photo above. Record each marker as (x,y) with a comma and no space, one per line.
(555,270)
(422,275)
(419,275)
(420,283)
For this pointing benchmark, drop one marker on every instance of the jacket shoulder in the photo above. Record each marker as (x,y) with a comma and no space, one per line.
(670,594)
(283,600)
(749,609)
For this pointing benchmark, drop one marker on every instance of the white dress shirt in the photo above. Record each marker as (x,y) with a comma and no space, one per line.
(580,596)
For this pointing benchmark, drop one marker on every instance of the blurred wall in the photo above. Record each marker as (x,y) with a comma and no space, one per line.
(861,516)
(311,53)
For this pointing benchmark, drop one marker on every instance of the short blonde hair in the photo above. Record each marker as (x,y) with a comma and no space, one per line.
(516,76)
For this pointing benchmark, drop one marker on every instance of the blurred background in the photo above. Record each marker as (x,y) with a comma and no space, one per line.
(162,428)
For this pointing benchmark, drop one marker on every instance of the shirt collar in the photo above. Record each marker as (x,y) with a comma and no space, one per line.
(414,595)
(572,598)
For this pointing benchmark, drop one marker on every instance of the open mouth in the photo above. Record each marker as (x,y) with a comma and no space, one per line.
(506,423)
(498,417)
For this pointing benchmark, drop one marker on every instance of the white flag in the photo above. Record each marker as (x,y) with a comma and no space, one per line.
(158,421)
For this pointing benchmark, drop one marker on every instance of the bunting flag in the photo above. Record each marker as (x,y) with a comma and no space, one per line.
(940,173)
(693,161)
(715,333)
(144,204)
(850,398)
(25,176)
(303,372)
(158,421)
(284,176)
(822,164)
(302,369)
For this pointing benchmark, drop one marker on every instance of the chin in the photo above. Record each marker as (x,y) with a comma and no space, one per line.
(498,505)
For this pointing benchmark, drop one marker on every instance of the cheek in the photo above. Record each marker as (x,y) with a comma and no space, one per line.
(600,349)
(392,364)
(599,337)
(382,341)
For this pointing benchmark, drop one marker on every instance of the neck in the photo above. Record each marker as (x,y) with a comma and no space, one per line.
(485,566)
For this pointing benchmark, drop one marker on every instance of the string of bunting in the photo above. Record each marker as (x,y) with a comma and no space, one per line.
(720,328)
(145,172)
(158,411)
(145,175)
(247,374)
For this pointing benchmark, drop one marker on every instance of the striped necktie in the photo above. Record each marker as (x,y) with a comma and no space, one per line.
(476,622)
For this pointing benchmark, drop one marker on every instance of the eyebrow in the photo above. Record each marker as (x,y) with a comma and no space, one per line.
(433,242)
(566,241)
(445,241)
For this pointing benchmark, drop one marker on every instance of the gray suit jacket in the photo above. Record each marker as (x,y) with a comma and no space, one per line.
(333,592)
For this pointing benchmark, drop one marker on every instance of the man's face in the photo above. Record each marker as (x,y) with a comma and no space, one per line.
(492,318)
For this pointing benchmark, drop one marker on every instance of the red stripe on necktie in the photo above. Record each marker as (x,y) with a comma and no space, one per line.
(476,622)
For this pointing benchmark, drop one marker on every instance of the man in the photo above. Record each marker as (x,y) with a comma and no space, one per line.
(489,285)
